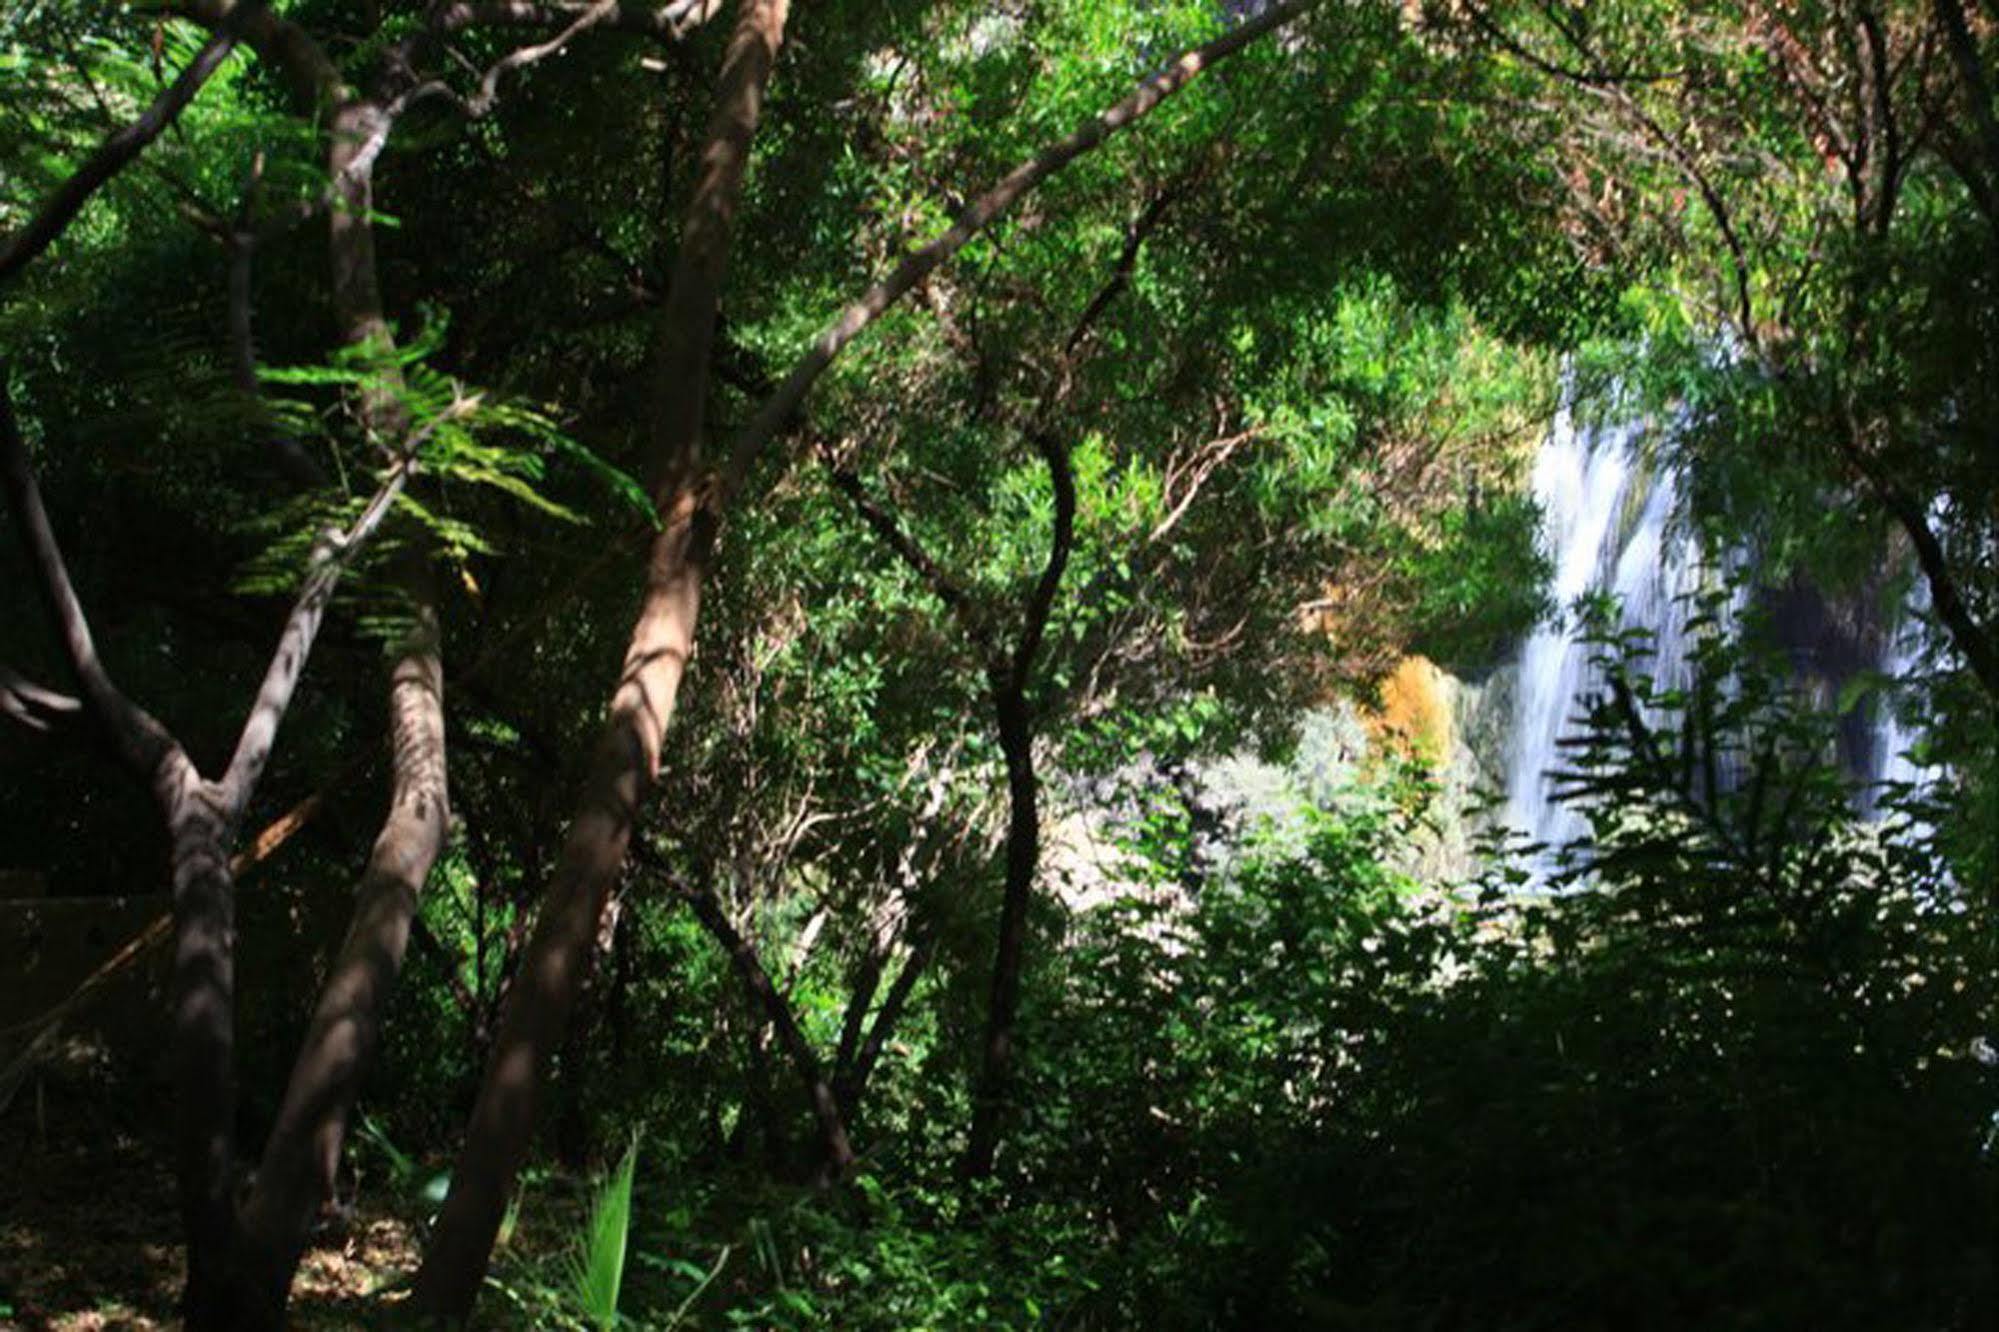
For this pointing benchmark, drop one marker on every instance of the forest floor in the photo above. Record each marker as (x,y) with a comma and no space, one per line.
(89,1228)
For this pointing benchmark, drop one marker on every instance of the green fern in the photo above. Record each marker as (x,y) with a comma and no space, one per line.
(465,441)
(468,436)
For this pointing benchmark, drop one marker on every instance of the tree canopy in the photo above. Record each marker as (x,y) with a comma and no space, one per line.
(810,515)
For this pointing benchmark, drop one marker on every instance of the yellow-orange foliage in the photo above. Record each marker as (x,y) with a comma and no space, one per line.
(1414,713)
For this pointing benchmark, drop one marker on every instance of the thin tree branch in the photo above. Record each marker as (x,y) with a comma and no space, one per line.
(750,969)
(672,21)
(141,741)
(489,87)
(1977,88)
(118,151)
(918,560)
(330,558)
(1135,236)
(1041,603)
(31,705)
(449,967)
(853,1020)
(777,410)
(1014,714)
(1880,81)
(1618,93)
(1977,643)
(855,1082)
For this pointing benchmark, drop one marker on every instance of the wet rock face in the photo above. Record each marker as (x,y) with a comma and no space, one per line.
(1825,638)
(1831,642)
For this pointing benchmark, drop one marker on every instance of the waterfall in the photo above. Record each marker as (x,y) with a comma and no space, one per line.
(1609,527)
(1890,762)
(1893,763)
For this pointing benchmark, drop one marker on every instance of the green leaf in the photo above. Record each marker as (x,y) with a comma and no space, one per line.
(597,1269)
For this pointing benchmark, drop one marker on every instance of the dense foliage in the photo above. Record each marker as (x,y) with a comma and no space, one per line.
(915,975)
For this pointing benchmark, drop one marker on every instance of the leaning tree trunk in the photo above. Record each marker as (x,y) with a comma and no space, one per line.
(627,756)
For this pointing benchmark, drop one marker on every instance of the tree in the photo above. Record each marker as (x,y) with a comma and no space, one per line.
(1339,415)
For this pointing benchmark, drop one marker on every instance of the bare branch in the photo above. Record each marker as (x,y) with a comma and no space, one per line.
(489,86)
(117,152)
(671,21)
(31,705)
(1595,76)
(482,102)
(1881,108)
(1194,474)
(1977,642)
(142,742)
(330,558)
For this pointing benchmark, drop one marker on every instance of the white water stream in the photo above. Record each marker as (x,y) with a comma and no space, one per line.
(1610,528)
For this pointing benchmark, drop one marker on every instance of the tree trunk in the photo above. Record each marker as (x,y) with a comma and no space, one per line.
(302,1154)
(1971,638)
(204,1035)
(201,818)
(1023,834)
(1023,856)
(551,972)
(626,760)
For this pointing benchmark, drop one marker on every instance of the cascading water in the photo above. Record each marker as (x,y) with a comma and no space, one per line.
(1891,760)
(1579,487)
(1894,763)
(1609,526)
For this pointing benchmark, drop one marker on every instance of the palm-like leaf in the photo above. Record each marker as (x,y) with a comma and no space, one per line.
(597,1269)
